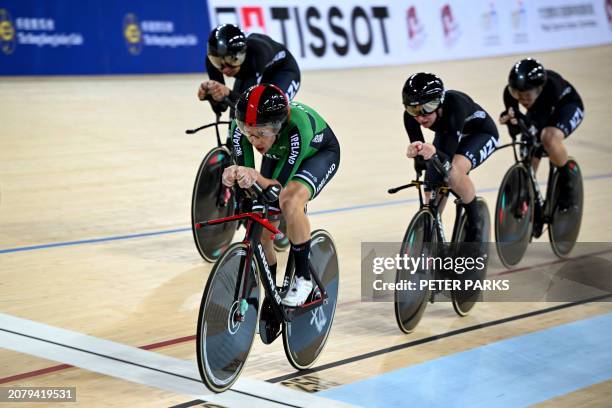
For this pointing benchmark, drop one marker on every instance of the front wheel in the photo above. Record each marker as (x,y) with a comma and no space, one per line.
(565,225)
(419,241)
(465,299)
(227,320)
(305,336)
(514,214)
(211,200)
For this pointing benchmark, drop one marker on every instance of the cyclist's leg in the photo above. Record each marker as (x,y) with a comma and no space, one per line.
(472,151)
(563,122)
(293,200)
(313,174)
(552,140)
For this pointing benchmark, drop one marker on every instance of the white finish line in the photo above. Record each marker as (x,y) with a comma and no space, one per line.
(143,367)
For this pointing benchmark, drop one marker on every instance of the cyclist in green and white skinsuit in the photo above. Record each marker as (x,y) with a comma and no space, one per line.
(301,153)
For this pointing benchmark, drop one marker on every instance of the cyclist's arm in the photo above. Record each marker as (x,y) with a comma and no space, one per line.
(510,102)
(242,149)
(413,129)
(213,73)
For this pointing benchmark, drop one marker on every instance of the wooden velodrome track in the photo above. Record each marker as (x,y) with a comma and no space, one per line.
(90,166)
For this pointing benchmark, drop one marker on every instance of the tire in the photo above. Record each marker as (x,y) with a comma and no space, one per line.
(305,336)
(212,240)
(465,300)
(409,305)
(514,214)
(565,226)
(222,344)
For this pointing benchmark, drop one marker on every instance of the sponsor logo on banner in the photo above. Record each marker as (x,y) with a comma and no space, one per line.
(519,23)
(38,31)
(450,27)
(153,33)
(608,6)
(132,34)
(314,31)
(253,20)
(416,30)
(490,25)
(569,16)
(7,32)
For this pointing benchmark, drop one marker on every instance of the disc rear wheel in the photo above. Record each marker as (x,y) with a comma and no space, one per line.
(305,336)
(565,225)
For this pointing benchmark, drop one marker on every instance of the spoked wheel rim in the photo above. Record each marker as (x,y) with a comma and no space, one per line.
(305,336)
(410,304)
(223,342)
(514,214)
(465,300)
(565,225)
(210,200)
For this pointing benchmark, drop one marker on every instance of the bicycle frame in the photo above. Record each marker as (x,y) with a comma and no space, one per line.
(255,223)
(528,146)
(437,199)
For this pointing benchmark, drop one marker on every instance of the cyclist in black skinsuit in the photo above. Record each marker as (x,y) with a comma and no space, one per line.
(554,109)
(464,135)
(250,60)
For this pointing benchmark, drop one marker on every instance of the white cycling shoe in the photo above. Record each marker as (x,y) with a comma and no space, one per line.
(298,292)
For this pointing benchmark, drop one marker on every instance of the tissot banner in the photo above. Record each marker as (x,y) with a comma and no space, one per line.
(332,34)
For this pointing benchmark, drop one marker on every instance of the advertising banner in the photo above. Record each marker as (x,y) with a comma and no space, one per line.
(102,37)
(328,34)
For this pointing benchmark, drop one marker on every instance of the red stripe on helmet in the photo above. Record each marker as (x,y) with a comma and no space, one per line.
(252,104)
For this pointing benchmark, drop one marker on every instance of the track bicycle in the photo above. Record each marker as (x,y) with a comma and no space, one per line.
(230,311)
(522,212)
(425,238)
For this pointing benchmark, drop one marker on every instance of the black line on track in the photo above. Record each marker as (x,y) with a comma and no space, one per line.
(417,342)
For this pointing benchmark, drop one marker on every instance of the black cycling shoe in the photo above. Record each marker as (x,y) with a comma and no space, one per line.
(567,198)
(567,195)
(473,234)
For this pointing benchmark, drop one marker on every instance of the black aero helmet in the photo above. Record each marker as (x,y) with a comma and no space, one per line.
(423,93)
(262,106)
(526,74)
(226,45)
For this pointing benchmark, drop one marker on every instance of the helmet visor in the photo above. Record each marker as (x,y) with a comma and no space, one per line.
(425,108)
(270,129)
(227,60)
